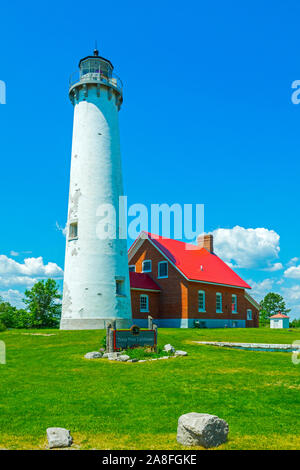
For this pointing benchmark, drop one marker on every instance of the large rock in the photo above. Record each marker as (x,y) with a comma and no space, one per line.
(123,358)
(169,348)
(113,356)
(200,429)
(93,355)
(181,353)
(59,437)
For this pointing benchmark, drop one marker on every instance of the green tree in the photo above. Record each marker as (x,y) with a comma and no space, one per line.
(43,304)
(271,305)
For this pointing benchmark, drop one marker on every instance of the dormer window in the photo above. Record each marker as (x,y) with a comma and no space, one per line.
(132,268)
(147,266)
(162,269)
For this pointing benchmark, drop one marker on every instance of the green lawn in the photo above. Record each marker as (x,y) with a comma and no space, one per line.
(108,405)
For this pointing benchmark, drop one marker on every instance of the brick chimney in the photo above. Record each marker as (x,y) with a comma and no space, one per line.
(206,240)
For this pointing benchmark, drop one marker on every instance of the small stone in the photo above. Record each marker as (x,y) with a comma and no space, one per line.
(133,360)
(181,353)
(201,429)
(169,348)
(123,358)
(164,357)
(59,437)
(93,355)
(142,360)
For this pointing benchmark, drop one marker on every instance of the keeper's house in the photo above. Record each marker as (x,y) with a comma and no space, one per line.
(184,285)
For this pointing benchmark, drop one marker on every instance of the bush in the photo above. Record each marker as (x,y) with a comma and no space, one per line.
(295,323)
(2,326)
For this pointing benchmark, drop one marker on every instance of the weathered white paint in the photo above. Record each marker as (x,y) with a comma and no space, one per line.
(92,265)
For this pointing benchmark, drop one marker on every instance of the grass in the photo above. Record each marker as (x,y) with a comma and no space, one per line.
(112,405)
(146,353)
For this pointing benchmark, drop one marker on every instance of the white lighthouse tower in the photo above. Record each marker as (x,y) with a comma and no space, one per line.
(96,282)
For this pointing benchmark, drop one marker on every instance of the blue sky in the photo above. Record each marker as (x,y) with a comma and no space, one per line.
(207,118)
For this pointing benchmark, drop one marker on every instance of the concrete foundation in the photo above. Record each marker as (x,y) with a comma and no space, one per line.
(93,323)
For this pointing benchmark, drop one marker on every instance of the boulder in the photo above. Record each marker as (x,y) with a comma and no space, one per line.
(59,437)
(201,429)
(93,355)
(169,348)
(133,360)
(123,358)
(181,353)
(113,356)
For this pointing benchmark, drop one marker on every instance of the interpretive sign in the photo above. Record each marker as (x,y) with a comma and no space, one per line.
(133,338)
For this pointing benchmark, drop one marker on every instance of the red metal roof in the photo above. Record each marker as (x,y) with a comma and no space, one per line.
(142,281)
(197,264)
(279,315)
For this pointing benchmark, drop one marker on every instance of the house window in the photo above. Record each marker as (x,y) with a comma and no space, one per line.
(144,303)
(119,286)
(132,268)
(249,314)
(73,230)
(201,301)
(162,269)
(234,303)
(218,302)
(147,266)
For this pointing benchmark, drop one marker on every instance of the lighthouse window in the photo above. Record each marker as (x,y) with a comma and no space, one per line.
(73,230)
(120,287)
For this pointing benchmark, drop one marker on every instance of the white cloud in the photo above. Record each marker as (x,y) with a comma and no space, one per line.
(248,247)
(30,267)
(27,273)
(14,297)
(293,272)
(260,289)
(63,230)
(293,261)
(291,293)
(14,253)
(7,281)
(274,267)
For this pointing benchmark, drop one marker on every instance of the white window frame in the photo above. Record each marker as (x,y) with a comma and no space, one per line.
(146,309)
(234,296)
(249,311)
(147,261)
(132,266)
(202,292)
(158,270)
(221,302)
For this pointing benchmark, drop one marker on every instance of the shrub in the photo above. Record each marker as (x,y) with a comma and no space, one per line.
(2,326)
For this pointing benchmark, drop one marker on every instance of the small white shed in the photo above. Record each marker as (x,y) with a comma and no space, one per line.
(279,321)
